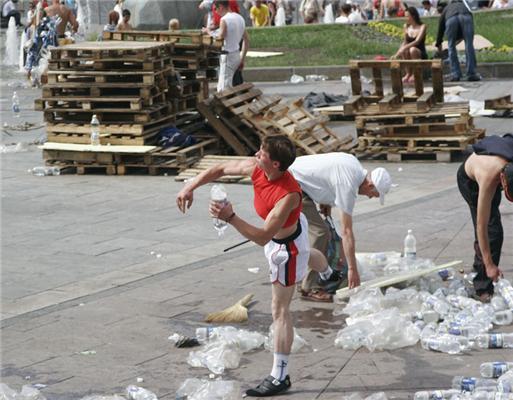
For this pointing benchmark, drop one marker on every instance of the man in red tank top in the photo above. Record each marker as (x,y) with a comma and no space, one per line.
(284,236)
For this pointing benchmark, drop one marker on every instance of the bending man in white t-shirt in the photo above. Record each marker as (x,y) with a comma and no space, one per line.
(334,180)
(232,29)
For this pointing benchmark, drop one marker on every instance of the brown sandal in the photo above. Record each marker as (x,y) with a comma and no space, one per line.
(317,295)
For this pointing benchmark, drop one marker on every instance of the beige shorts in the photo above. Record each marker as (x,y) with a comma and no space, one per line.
(288,257)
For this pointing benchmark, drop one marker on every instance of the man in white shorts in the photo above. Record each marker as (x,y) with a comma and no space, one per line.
(232,29)
(284,234)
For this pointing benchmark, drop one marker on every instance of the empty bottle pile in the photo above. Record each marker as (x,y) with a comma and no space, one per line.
(436,309)
(477,388)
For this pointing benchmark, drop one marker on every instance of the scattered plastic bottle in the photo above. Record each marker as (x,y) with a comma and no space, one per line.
(498,303)
(44,171)
(218,194)
(504,317)
(204,334)
(491,395)
(410,246)
(495,369)
(470,331)
(435,394)
(95,131)
(505,383)
(296,79)
(138,393)
(445,344)
(439,305)
(15,105)
(503,286)
(470,384)
(495,341)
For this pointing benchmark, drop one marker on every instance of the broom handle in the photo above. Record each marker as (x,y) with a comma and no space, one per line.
(236,245)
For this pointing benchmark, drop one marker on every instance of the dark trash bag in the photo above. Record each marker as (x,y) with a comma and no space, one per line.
(173,137)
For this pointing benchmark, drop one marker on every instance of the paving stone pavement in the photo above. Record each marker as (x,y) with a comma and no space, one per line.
(81,271)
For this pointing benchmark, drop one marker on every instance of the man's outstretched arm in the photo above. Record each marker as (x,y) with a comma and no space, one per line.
(185,196)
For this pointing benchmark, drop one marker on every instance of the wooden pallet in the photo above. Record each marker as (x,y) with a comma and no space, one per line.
(108,115)
(209,161)
(381,102)
(75,76)
(194,38)
(94,51)
(116,162)
(499,103)
(67,89)
(368,144)
(109,64)
(89,103)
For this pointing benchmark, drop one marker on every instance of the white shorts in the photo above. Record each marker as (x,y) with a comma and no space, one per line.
(288,258)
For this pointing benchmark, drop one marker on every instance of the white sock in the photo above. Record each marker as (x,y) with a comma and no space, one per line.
(326,273)
(280,366)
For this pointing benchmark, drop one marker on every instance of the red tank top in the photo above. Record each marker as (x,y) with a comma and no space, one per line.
(268,193)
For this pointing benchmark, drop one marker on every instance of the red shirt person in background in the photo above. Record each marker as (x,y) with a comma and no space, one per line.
(216,18)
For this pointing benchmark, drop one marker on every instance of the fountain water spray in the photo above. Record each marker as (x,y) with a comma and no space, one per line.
(11,44)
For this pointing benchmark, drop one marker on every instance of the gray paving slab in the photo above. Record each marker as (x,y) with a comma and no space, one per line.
(80,272)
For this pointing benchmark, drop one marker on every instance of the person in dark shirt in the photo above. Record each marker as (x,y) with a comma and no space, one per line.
(480,180)
(457,22)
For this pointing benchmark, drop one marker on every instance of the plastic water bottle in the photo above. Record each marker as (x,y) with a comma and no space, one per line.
(204,334)
(495,341)
(470,331)
(492,395)
(505,383)
(503,286)
(44,171)
(498,303)
(410,246)
(138,393)
(495,369)
(15,105)
(470,384)
(95,131)
(504,317)
(218,194)
(439,305)
(446,344)
(435,394)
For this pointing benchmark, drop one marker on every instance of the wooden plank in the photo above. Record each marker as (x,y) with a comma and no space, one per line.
(438,82)
(396,77)
(385,104)
(96,149)
(356,82)
(424,101)
(378,81)
(419,81)
(499,103)
(224,132)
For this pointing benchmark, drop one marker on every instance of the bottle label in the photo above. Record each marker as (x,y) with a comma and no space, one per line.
(498,369)
(16,108)
(456,331)
(468,384)
(437,395)
(495,341)
(410,254)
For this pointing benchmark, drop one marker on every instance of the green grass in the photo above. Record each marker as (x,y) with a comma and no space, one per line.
(306,45)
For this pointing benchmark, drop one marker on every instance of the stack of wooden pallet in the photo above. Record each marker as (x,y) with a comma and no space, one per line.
(400,125)
(242,116)
(128,86)
(195,59)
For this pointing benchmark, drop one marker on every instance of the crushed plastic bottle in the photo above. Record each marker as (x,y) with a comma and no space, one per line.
(315,78)
(504,317)
(439,305)
(491,395)
(505,383)
(246,340)
(443,343)
(217,356)
(15,105)
(202,389)
(95,131)
(28,392)
(495,341)
(218,194)
(298,343)
(498,303)
(296,79)
(503,286)
(410,246)
(45,171)
(138,393)
(435,394)
(495,369)
(470,384)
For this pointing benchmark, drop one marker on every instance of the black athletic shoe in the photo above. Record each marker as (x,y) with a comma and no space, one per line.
(331,284)
(270,386)
(473,78)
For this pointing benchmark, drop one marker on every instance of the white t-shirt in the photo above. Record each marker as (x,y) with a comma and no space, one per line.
(332,178)
(235,26)
(342,20)
(8,7)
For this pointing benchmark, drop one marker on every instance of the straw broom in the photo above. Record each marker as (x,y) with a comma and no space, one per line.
(236,313)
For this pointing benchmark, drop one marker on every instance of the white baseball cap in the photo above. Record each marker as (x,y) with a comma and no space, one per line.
(382,182)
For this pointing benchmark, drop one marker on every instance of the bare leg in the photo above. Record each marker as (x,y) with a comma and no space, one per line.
(414,55)
(317,261)
(282,318)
